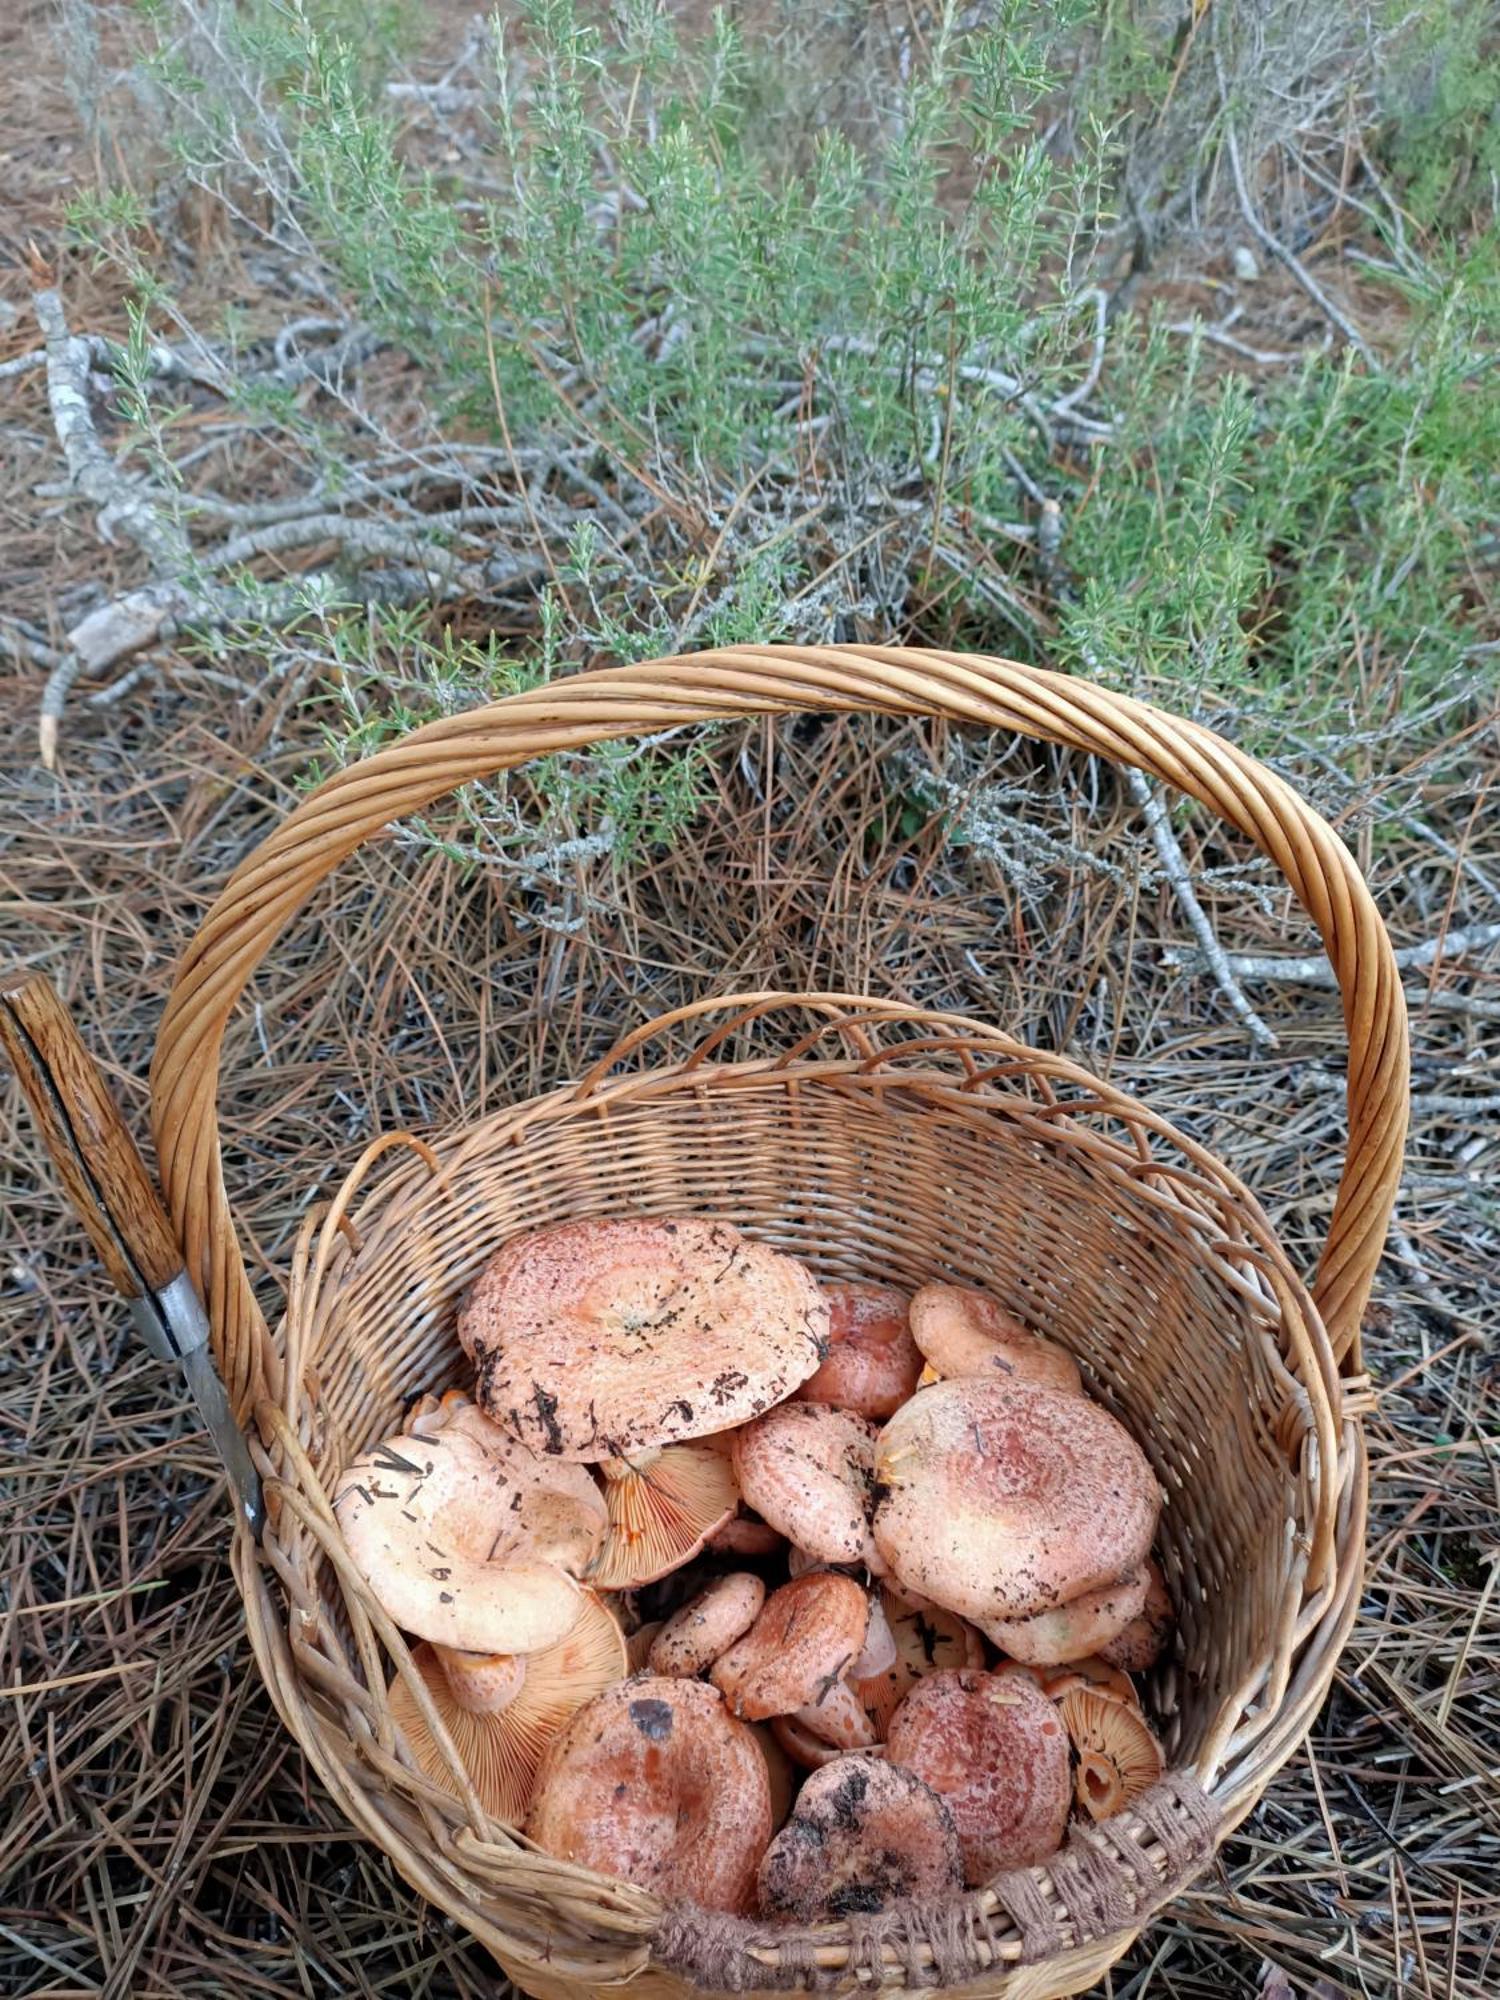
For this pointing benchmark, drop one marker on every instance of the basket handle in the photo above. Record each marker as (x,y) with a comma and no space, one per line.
(273,883)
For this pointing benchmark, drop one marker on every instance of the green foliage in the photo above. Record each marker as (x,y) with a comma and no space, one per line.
(1298,541)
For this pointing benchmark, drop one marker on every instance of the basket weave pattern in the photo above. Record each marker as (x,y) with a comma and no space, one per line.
(872,1140)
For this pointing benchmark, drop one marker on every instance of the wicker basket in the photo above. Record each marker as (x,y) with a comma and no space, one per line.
(871,1140)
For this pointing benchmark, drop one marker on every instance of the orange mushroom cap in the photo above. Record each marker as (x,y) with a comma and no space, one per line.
(707,1625)
(808,1635)
(656,1783)
(995,1748)
(502,1711)
(873,1363)
(1073,1630)
(662,1506)
(1144,1639)
(598,1339)
(441,1528)
(806,1469)
(863,1835)
(1118,1757)
(1002,1499)
(745,1536)
(962,1332)
(1094,1672)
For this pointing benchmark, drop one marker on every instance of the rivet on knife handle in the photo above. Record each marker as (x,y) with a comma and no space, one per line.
(108,1184)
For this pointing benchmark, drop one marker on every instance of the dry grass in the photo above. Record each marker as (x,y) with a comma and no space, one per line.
(162,1836)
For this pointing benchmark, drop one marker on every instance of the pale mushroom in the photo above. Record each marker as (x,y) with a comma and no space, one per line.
(441,1529)
(745,1536)
(995,1749)
(1093,1672)
(502,1711)
(999,1500)
(863,1835)
(807,1636)
(873,1362)
(927,1640)
(837,1716)
(806,1469)
(1144,1639)
(604,1338)
(707,1626)
(655,1782)
(1071,1631)
(1118,1757)
(878,1654)
(662,1506)
(962,1333)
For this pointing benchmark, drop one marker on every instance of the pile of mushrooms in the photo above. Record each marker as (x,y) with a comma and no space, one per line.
(767,1595)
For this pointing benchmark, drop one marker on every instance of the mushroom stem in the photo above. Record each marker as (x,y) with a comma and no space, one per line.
(482,1683)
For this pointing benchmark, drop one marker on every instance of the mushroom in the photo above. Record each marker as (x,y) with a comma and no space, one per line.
(873,1363)
(1002,1499)
(444,1530)
(995,1748)
(1144,1639)
(1118,1757)
(927,1640)
(781,1771)
(662,1506)
(707,1626)
(879,1653)
(561,1509)
(502,1711)
(805,1468)
(1073,1630)
(863,1835)
(638,1646)
(799,1743)
(1094,1672)
(962,1333)
(655,1782)
(745,1536)
(837,1716)
(599,1339)
(807,1636)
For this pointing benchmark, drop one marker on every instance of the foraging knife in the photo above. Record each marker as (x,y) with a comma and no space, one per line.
(108,1184)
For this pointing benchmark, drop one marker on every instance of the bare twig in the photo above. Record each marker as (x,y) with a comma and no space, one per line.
(1315,970)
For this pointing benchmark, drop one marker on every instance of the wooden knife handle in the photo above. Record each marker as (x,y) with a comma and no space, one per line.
(104,1175)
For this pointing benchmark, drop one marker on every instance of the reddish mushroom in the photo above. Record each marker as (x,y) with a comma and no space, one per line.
(1004,1499)
(837,1716)
(1072,1631)
(807,1636)
(662,1507)
(996,1750)
(873,1362)
(603,1338)
(801,1747)
(863,1835)
(745,1536)
(707,1626)
(655,1782)
(501,1711)
(962,1333)
(1144,1639)
(806,1468)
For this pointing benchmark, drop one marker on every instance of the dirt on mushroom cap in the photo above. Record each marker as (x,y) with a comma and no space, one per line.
(1071,1631)
(1003,1499)
(598,1338)
(862,1836)
(808,1634)
(807,1469)
(995,1748)
(438,1527)
(656,1783)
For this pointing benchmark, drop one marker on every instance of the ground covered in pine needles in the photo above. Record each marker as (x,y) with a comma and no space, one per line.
(161,1834)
